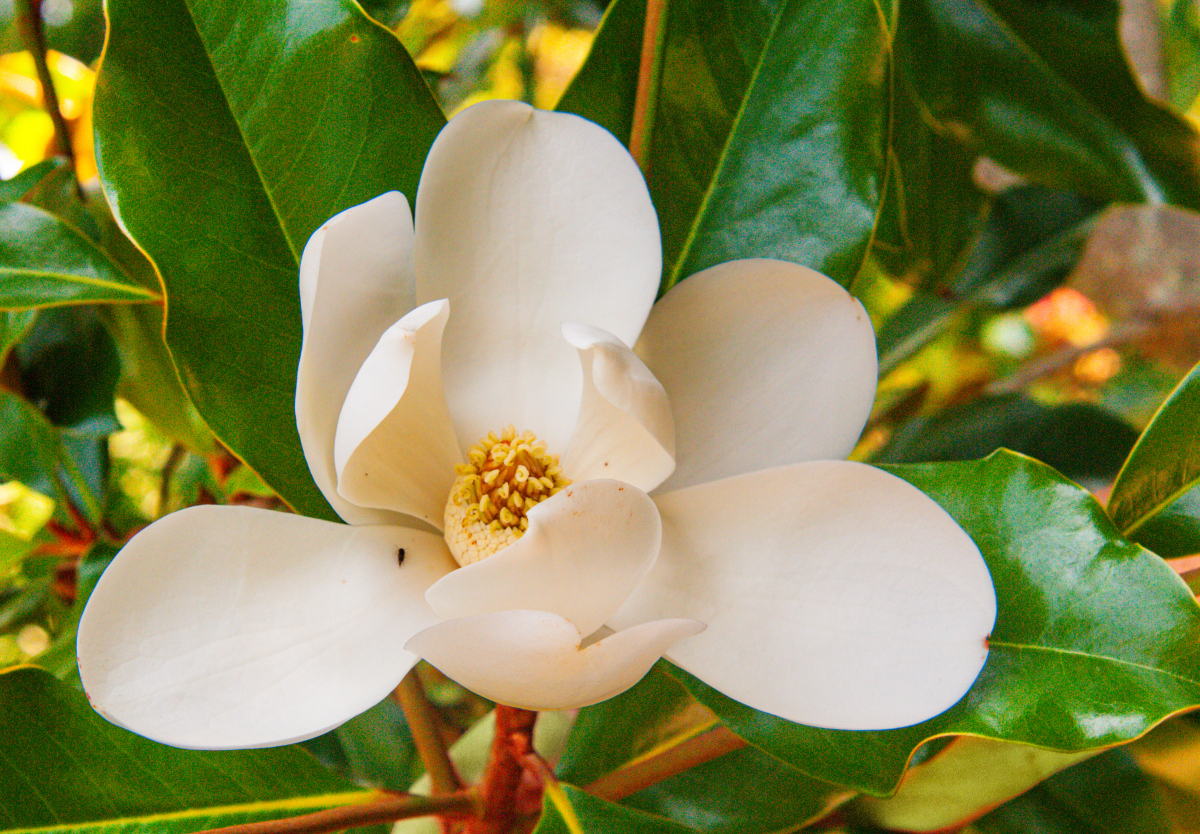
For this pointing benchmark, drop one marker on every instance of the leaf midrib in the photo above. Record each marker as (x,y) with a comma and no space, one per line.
(1031,647)
(71,278)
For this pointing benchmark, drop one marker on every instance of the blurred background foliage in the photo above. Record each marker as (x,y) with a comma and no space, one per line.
(1043,321)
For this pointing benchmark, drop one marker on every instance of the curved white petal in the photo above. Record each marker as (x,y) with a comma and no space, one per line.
(395,446)
(585,550)
(229,627)
(356,278)
(533,659)
(836,595)
(527,219)
(625,429)
(765,362)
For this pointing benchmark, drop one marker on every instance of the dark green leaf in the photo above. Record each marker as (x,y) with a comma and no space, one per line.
(1156,499)
(1080,440)
(595,816)
(69,369)
(46,263)
(17,187)
(225,135)
(14,324)
(603,89)
(374,748)
(64,766)
(75,28)
(29,450)
(1044,88)
(1096,640)
(1104,795)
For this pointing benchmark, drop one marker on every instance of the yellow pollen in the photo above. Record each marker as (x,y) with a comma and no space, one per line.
(503,478)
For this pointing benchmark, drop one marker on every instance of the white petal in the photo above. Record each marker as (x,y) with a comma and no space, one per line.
(527,219)
(533,659)
(765,362)
(395,446)
(228,627)
(625,429)
(586,548)
(836,595)
(356,278)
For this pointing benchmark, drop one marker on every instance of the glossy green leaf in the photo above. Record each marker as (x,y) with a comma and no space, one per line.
(69,369)
(225,135)
(17,187)
(14,324)
(604,87)
(29,450)
(46,263)
(1045,89)
(585,814)
(1156,498)
(62,765)
(655,713)
(960,783)
(374,748)
(1096,640)
(1105,795)
(1081,440)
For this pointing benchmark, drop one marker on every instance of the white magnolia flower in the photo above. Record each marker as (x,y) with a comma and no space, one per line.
(827,592)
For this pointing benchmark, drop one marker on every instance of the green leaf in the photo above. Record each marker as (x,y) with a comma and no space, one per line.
(17,187)
(75,28)
(656,713)
(1045,89)
(1081,440)
(69,369)
(374,748)
(576,812)
(961,782)
(46,263)
(226,134)
(14,324)
(1106,795)
(603,89)
(29,449)
(63,766)
(1156,499)
(1095,639)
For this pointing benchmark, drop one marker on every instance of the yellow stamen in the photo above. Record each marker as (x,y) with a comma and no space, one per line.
(503,478)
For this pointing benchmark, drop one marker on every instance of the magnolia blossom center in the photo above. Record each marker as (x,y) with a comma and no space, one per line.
(503,478)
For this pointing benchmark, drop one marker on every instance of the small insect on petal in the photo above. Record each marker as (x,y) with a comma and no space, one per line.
(400,557)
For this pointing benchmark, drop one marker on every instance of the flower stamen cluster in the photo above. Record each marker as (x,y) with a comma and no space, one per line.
(504,477)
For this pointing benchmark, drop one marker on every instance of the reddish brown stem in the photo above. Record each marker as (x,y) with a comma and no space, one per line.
(502,778)
(423,725)
(647,84)
(684,756)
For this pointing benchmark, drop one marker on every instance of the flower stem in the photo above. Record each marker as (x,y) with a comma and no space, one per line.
(641,774)
(502,778)
(423,724)
(647,84)
(33,36)
(457,805)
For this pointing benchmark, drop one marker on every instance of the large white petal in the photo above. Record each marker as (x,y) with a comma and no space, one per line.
(356,279)
(395,446)
(527,219)
(533,659)
(625,429)
(228,627)
(835,594)
(765,362)
(585,550)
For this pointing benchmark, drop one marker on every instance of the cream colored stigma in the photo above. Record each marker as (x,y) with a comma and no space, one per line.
(503,478)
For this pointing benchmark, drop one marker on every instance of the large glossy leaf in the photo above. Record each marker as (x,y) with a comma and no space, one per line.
(1156,498)
(1045,88)
(226,134)
(1096,640)
(46,263)
(61,765)
(767,137)
(1106,795)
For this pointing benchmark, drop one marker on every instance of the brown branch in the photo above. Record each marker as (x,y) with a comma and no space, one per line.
(683,756)
(423,724)
(33,35)
(647,83)
(457,806)
(502,779)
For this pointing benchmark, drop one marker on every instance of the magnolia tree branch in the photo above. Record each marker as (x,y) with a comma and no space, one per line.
(455,806)
(647,83)
(650,771)
(423,724)
(33,36)
(502,779)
